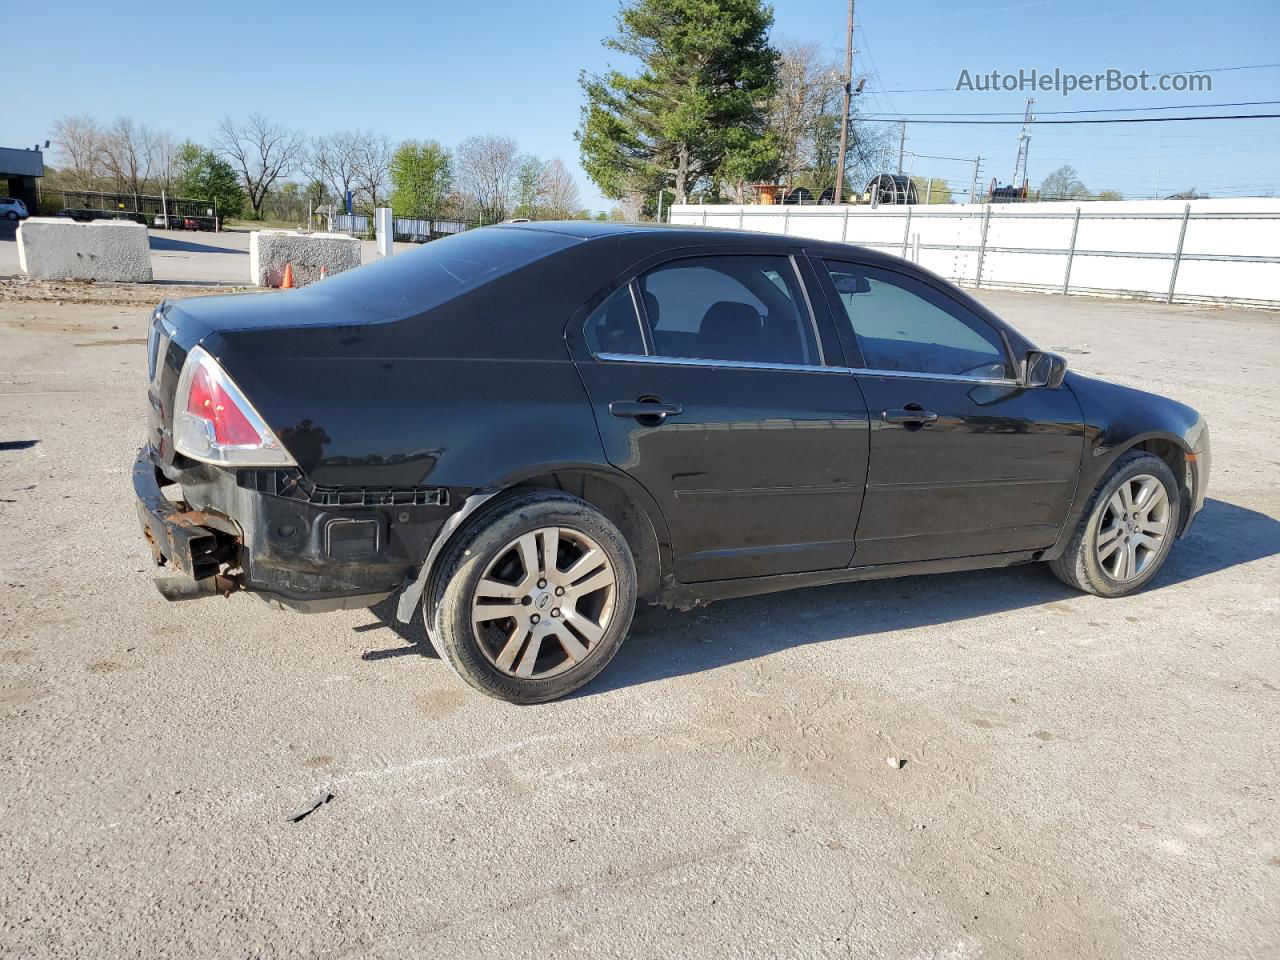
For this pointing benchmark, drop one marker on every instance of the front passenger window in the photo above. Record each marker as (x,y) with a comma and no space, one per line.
(904,325)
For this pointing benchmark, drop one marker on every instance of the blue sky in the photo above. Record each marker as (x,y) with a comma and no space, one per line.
(511,67)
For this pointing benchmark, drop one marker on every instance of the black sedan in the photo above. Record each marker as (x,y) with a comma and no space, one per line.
(526,428)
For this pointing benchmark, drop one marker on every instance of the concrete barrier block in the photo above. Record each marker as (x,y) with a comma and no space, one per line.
(57,248)
(271,250)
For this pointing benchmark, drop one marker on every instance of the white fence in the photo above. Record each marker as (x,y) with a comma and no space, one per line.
(411,229)
(1222,251)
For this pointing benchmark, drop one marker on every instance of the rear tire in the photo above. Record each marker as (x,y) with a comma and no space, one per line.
(519,625)
(1127,531)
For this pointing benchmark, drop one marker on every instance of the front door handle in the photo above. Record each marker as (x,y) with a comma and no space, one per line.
(645,410)
(910,414)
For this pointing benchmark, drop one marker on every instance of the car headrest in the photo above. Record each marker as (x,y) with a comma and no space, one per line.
(731,331)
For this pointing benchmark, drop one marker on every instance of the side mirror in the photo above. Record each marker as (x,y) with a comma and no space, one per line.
(1042,369)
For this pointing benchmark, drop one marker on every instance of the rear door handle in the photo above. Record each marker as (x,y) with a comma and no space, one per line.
(909,415)
(642,410)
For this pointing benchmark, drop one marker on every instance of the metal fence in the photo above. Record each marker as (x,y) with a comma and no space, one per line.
(140,207)
(1127,248)
(404,229)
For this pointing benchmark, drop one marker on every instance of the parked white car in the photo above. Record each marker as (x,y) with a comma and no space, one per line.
(11,208)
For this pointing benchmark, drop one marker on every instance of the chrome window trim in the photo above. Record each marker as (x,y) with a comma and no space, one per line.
(642,321)
(799,368)
(729,364)
(918,375)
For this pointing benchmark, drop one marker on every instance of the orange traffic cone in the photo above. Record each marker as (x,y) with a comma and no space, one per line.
(324,271)
(287,282)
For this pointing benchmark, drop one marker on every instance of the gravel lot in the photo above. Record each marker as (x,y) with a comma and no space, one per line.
(1084,778)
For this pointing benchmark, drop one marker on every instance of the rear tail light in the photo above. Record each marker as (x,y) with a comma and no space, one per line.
(214,422)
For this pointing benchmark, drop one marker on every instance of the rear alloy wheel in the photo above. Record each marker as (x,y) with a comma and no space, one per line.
(545,603)
(534,599)
(1128,530)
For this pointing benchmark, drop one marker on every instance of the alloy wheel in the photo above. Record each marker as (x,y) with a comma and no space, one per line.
(1133,529)
(544,603)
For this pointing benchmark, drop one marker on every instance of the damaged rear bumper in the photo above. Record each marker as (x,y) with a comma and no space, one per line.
(310,552)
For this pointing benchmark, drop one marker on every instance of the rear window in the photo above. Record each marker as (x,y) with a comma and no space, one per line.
(442,269)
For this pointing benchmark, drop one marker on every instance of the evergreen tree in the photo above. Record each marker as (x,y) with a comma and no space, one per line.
(694,116)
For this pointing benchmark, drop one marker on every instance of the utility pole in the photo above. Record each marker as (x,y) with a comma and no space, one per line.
(848,99)
(902,144)
(973,190)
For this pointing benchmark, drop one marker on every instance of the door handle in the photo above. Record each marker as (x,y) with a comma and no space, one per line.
(645,410)
(910,414)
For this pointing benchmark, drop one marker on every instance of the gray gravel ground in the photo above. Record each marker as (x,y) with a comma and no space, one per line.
(1084,778)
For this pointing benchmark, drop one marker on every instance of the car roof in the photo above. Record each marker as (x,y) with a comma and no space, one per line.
(673,235)
(591,229)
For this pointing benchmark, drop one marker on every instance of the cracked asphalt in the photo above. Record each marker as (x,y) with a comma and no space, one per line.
(1084,778)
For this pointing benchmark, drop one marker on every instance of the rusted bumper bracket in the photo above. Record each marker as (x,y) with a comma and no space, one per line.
(179,538)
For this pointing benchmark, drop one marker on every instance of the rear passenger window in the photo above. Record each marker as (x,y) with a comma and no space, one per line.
(739,308)
(614,326)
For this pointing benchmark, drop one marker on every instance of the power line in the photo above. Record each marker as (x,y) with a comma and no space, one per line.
(1218,116)
(1010,113)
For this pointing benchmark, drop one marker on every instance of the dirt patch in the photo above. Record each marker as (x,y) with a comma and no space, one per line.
(24,290)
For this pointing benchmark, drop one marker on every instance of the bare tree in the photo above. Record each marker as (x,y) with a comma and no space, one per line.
(486,172)
(561,197)
(808,86)
(164,160)
(805,117)
(261,150)
(79,140)
(127,154)
(333,160)
(373,155)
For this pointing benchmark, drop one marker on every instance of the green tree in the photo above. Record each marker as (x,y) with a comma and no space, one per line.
(1108,195)
(530,187)
(931,190)
(421,178)
(695,113)
(203,175)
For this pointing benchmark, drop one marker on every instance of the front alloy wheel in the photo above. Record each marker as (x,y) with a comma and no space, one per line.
(1134,526)
(1127,530)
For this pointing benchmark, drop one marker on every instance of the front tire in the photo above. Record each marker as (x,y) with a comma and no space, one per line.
(1126,533)
(534,598)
